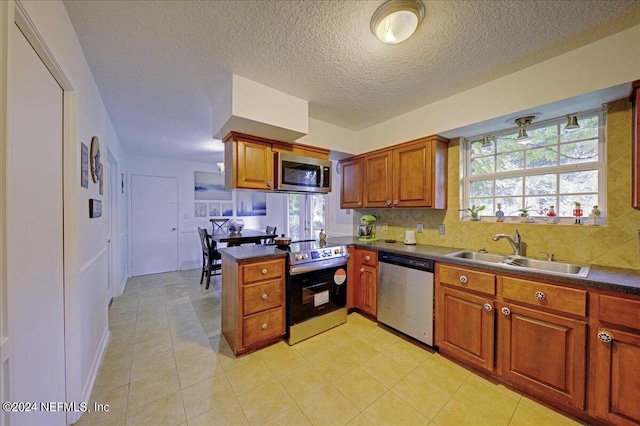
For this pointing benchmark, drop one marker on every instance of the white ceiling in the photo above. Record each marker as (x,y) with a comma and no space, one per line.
(159,64)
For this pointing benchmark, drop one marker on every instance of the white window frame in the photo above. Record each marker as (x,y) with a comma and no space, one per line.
(600,165)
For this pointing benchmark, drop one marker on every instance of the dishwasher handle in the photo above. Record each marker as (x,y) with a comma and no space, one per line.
(407,261)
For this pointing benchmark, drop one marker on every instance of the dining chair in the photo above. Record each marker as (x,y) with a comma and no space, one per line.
(269,230)
(211,257)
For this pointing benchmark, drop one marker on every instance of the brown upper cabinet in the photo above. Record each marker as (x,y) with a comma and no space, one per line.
(412,174)
(635,158)
(249,160)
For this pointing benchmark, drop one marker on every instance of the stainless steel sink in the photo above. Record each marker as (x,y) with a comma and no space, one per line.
(550,267)
(478,256)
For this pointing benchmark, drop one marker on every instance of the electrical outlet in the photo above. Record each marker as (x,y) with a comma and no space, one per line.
(385,226)
(441,229)
(420,228)
(348,211)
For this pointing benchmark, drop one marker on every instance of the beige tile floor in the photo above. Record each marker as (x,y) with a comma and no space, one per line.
(167,364)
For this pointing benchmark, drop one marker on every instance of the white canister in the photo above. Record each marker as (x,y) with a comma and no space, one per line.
(409,237)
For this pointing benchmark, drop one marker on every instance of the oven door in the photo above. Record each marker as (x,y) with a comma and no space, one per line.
(314,293)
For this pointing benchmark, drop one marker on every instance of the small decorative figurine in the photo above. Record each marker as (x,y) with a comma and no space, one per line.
(322,235)
(577,213)
(500,213)
(595,213)
(552,211)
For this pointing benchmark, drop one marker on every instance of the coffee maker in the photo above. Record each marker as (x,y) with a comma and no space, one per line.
(367,228)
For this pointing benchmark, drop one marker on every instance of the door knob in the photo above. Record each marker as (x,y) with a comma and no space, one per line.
(173,229)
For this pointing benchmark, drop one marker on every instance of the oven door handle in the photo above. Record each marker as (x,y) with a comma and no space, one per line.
(309,267)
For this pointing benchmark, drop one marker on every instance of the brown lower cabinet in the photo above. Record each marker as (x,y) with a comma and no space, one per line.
(576,348)
(253,314)
(363,281)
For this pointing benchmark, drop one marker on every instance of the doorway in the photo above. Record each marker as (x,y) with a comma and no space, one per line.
(154,224)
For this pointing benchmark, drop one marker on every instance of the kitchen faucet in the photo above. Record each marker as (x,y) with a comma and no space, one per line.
(515,242)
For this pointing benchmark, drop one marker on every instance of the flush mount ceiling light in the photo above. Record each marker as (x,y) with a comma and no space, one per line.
(522,122)
(572,123)
(396,20)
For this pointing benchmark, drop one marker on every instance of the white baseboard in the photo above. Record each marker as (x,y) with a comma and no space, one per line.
(122,286)
(93,374)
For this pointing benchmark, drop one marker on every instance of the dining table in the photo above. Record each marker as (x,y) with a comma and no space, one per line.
(246,236)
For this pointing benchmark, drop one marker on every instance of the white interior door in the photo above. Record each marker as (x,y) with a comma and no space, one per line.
(34,234)
(154,224)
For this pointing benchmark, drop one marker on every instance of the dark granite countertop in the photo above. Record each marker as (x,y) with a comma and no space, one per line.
(601,277)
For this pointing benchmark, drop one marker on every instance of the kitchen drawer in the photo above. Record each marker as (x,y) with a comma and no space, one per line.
(260,297)
(262,326)
(261,271)
(562,299)
(368,257)
(619,310)
(481,282)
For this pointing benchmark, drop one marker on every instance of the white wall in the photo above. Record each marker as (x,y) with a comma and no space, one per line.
(86,328)
(189,252)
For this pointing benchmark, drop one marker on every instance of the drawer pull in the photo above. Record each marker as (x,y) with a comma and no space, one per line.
(488,307)
(506,311)
(367,258)
(264,296)
(605,337)
(463,279)
(540,295)
(264,326)
(264,271)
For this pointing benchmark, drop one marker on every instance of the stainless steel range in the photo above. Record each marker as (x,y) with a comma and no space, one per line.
(316,289)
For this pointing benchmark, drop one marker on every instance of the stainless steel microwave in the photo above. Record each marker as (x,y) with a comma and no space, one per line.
(304,174)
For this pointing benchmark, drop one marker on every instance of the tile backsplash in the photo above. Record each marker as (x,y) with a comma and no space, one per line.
(615,244)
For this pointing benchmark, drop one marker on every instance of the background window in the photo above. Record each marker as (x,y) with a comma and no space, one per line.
(557,168)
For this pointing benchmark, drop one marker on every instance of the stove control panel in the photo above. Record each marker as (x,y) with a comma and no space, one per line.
(318,255)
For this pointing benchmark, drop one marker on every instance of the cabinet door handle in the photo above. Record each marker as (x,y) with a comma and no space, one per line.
(463,279)
(264,296)
(367,258)
(359,203)
(395,202)
(605,337)
(388,202)
(264,326)
(488,307)
(361,270)
(264,271)
(269,184)
(540,295)
(506,311)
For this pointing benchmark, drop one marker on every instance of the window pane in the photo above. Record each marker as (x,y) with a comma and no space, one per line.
(294,216)
(543,136)
(542,157)
(482,165)
(579,152)
(540,184)
(539,206)
(567,204)
(588,129)
(482,188)
(510,205)
(509,186)
(575,182)
(508,142)
(510,161)
(478,149)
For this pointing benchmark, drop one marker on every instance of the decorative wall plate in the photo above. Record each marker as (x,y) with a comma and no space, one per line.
(95,159)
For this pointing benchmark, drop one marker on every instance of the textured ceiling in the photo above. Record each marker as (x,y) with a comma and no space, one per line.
(159,64)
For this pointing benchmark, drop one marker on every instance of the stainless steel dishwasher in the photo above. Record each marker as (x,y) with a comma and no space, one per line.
(405,295)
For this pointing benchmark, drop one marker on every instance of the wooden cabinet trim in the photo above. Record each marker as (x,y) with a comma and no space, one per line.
(635,145)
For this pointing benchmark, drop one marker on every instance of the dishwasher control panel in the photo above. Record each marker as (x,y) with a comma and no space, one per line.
(408,261)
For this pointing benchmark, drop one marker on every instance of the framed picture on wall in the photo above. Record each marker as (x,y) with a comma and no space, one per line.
(210,186)
(227,209)
(251,203)
(84,165)
(214,210)
(200,209)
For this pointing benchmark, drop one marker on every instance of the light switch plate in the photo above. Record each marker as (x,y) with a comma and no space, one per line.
(441,229)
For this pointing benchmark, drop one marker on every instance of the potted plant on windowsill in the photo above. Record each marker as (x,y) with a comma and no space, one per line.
(475,212)
(524,215)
